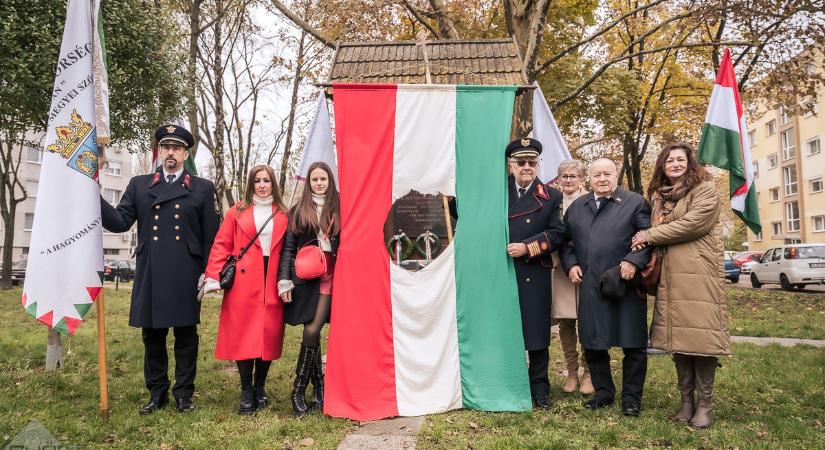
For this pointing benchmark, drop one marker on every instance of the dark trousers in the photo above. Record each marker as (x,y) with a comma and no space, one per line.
(156,361)
(539,383)
(634,371)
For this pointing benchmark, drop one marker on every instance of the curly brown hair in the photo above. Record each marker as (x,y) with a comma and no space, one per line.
(695,173)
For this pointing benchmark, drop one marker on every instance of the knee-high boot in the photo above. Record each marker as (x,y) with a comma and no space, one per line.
(261,371)
(317,380)
(705,375)
(687,383)
(568,339)
(303,371)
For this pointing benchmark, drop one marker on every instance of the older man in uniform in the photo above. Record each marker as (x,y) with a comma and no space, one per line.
(177,222)
(535,232)
(600,228)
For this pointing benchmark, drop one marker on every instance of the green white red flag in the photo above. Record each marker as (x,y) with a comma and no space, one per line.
(725,144)
(64,275)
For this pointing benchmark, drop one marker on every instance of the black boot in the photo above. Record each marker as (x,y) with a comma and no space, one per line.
(247,402)
(261,370)
(303,371)
(317,380)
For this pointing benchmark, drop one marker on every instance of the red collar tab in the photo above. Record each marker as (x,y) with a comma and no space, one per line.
(541,191)
(155,179)
(187,180)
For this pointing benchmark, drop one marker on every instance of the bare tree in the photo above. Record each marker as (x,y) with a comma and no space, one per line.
(12,193)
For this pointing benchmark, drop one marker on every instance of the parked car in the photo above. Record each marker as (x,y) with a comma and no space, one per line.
(791,266)
(111,268)
(18,272)
(748,266)
(741,258)
(731,271)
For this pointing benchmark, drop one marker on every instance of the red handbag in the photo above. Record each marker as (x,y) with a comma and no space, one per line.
(311,262)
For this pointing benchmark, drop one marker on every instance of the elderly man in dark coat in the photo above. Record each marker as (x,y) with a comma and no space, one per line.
(535,232)
(612,313)
(177,222)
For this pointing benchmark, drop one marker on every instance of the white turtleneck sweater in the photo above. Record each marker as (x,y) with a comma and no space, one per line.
(323,240)
(262,209)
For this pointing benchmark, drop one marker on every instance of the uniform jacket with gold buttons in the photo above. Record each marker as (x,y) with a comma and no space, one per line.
(177,223)
(535,220)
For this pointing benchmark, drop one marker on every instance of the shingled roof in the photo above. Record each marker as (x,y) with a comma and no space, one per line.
(486,62)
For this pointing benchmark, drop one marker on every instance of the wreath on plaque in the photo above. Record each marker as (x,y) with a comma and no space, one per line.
(421,244)
(407,246)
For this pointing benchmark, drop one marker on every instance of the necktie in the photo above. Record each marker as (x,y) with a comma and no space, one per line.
(521,192)
(170,178)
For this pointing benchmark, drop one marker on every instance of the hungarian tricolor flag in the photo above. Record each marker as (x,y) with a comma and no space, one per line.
(448,336)
(725,144)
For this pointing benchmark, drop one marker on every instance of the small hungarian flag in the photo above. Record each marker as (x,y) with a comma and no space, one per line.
(725,144)
(448,336)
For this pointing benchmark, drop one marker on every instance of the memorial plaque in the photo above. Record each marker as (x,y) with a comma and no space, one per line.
(416,213)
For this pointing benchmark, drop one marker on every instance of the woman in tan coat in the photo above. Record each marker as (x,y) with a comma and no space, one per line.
(690,319)
(566,294)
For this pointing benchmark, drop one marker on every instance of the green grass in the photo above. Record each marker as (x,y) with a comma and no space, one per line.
(768,397)
(765,398)
(760,312)
(67,401)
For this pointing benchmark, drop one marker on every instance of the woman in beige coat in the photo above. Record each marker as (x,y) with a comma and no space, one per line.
(690,319)
(566,294)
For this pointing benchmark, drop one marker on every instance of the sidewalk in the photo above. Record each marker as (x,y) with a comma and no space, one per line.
(784,342)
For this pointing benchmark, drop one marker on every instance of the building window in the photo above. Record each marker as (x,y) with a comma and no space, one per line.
(28,221)
(34,155)
(816,185)
(770,127)
(114,168)
(755,170)
(752,138)
(819,223)
(112,196)
(773,161)
(788,149)
(111,251)
(777,228)
(789,175)
(785,115)
(814,147)
(31,188)
(792,213)
(758,237)
(774,194)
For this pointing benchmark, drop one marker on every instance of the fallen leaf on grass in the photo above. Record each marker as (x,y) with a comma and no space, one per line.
(164,446)
(473,425)
(448,420)
(306,442)
(612,424)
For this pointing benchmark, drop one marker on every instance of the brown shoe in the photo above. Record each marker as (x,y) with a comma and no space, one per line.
(571,383)
(686,379)
(705,374)
(586,387)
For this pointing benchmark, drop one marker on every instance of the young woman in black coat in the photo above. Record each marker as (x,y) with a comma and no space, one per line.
(314,220)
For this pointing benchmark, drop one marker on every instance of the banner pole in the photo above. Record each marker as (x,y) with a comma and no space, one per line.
(292,195)
(101,354)
(447,219)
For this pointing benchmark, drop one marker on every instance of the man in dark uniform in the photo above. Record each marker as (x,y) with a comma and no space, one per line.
(600,227)
(536,231)
(177,222)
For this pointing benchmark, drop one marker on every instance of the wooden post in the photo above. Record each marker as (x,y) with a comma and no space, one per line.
(447,219)
(292,195)
(102,371)
(54,351)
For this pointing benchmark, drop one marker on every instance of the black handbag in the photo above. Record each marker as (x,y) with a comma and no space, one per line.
(228,270)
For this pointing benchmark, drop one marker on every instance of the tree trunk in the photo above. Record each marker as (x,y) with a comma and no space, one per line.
(192,75)
(221,190)
(54,351)
(8,245)
(296,83)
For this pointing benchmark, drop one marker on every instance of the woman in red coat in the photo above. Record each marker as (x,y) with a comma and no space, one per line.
(251,328)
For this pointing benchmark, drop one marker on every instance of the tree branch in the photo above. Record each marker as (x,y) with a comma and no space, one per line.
(303,24)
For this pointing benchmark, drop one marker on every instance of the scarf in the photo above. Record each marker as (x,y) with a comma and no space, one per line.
(664,200)
(258,201)
(568,199)
(323,241)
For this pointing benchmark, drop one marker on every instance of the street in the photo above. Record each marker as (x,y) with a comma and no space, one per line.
(745,282)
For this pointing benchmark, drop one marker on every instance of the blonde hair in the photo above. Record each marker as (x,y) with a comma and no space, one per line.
(572,164)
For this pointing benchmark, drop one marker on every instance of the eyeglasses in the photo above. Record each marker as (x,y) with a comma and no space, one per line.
(522,162)
(569,177)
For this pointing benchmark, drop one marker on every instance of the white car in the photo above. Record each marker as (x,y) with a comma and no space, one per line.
(790,266)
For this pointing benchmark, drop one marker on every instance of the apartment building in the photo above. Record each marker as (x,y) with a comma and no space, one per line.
(788,156)
(113,180)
